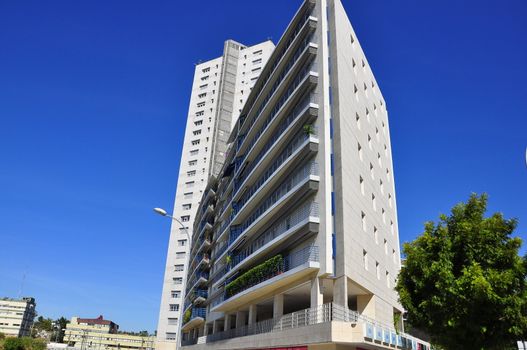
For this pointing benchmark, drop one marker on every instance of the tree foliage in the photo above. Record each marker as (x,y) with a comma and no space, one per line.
(463,281)
(24,343)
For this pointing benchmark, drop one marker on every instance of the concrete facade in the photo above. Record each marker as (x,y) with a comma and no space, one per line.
(219,90)
(297,233)
(17,316)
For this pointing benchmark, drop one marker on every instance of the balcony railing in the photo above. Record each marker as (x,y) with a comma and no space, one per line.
(302,213)
(300,175)
(372,331)
(295,144)
(271,268)
(292,116)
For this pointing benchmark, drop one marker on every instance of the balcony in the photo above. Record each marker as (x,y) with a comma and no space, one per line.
(198,296)
(295,184)
(269,276)
(300,223)
(299,148)
(198,280)
(193,318)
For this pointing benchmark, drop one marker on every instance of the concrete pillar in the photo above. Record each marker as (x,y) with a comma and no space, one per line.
(317,298)
(215,325)
(253,309)
(278,306)
(240,319)
(340,291)
(205,329)
(227,322)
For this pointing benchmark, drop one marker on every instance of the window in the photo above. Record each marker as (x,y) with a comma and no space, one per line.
(185,218)
(189,183)
(174,307)
(376,235)
(200,113)
(381,184)
(377,270)
(393,256)
(363,218)
(194,152)
(385,150)
(371,171)
(377,133)
(179,267)
(204,86)
(352,39)
(391,227)
(196,132)
(195,142)
(373,202)
(368,115)
(170,336)
(258,60)
(379,159)
(202,95)
(177,280)
(192,162)
(256,69)
(355,90)
(383,215)
(206,77)
(201,104)
(187,206)
(365,259)
(390,199)
(198,122)
(360,151)
(361,182)
(357,119)
(172,320)
(388,282)
(258,52)
(385,246)
(205,70)
(180,255)
(191,173)
(182,242)
(369,141)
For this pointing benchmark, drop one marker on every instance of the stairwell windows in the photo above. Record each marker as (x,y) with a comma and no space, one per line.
(202,95)
(180,255)
(363,220)
(179,267)
(175,294)
(359,148)
(185,218)
(205,70)
(201,104)
(191,173)
(187,206)
(177,280)
(182,242)
(174,307)
(195,142)
(198,122)
(194,152)
(200,113)
(196,132)
(361,183)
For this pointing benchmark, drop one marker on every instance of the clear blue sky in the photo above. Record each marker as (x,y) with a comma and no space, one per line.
(93,101)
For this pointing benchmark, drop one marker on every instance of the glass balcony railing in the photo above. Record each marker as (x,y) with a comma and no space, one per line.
(298,176)
(300,214)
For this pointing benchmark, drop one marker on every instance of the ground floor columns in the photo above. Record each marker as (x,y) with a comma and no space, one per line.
(278,306)
(317,300)
(340,291)
(252,314)
(227,322)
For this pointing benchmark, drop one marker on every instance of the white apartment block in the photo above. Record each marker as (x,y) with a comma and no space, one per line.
(219,91)
(295,240)
(17,316)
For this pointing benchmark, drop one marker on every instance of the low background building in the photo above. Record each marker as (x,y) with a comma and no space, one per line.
(100,334)
(16,316)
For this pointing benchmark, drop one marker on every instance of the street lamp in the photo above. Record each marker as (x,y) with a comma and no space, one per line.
(164,213)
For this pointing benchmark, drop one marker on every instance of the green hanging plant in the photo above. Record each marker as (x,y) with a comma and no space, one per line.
(186,316)
(309,129)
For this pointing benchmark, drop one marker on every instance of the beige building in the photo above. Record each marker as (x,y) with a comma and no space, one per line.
(297,235)
(100,334)
(16,316)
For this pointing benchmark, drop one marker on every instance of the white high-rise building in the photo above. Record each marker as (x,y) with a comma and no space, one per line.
(219,91)
(295,239)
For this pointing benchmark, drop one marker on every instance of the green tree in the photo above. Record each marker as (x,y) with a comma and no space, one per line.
(25,343)
(463,281)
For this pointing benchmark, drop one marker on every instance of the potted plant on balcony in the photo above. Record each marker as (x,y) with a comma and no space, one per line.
(309,129)
(187,315)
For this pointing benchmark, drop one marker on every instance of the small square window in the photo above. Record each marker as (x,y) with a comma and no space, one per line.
(174,307)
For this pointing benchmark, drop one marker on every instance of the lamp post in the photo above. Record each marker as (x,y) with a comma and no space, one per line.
(164,213)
